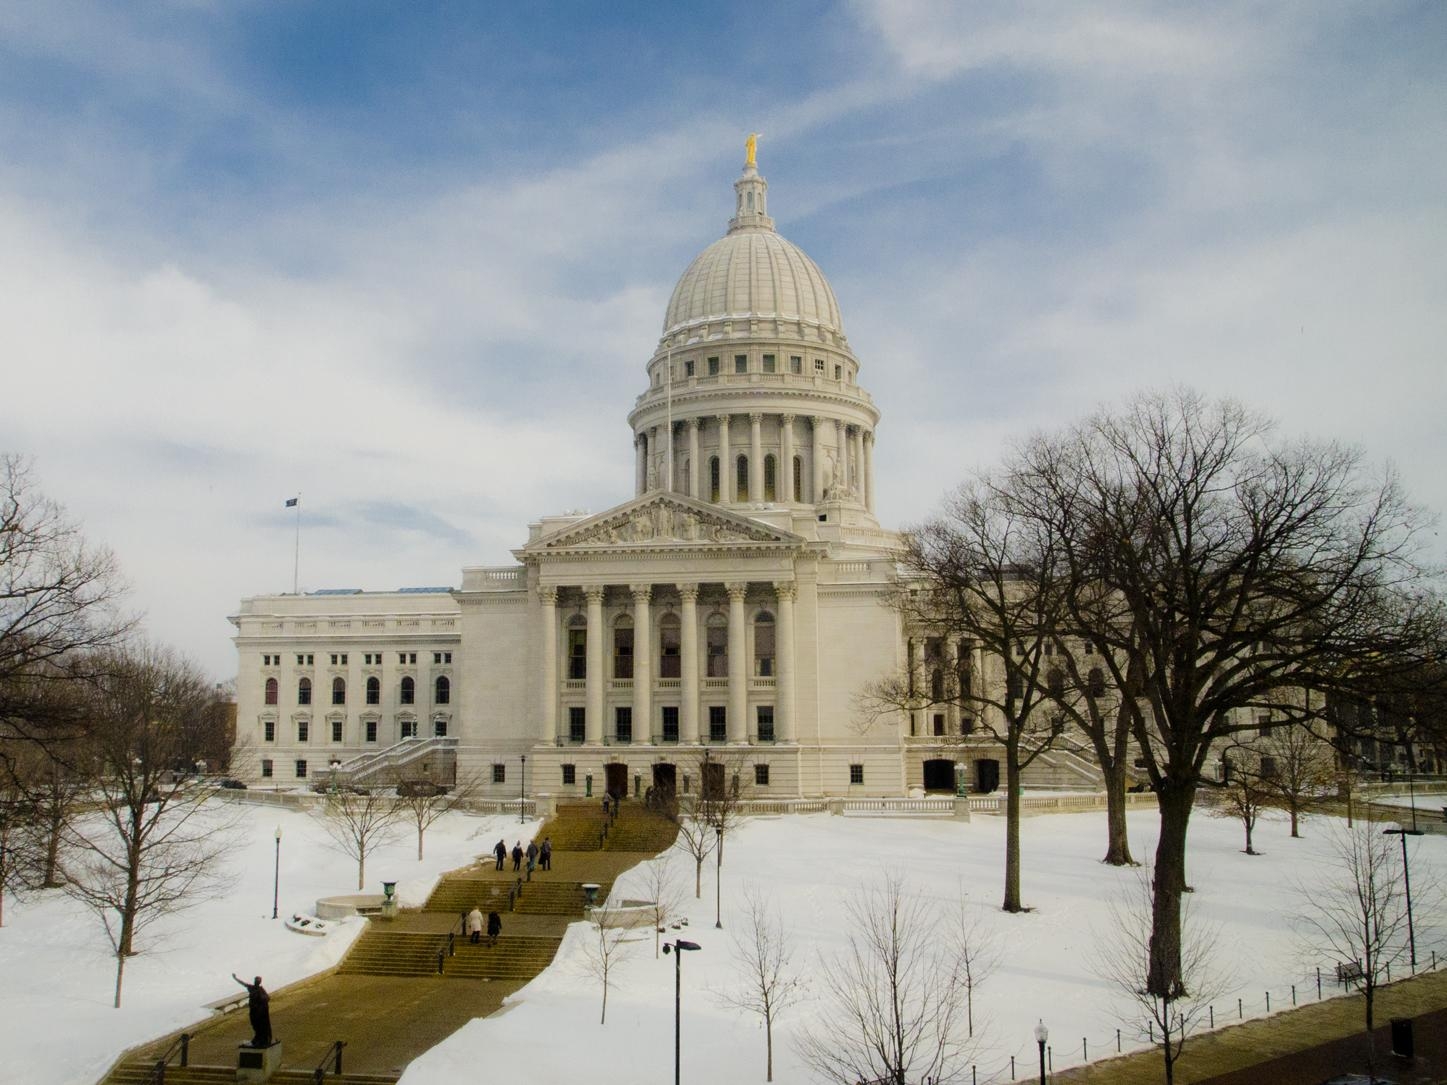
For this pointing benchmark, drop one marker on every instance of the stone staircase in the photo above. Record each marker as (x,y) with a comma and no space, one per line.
(410,953)
(640,830)
(460,893)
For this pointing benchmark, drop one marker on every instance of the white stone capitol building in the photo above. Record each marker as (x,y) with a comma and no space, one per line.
(738,603)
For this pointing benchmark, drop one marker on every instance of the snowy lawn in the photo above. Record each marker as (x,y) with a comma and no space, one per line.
(809,865)
(59,1027)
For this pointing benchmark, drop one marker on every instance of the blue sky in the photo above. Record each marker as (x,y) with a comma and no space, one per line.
(410,259)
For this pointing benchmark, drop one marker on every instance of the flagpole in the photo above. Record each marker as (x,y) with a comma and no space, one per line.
(296,556)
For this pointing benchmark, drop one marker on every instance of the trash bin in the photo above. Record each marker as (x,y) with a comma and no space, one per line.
(1402,1037)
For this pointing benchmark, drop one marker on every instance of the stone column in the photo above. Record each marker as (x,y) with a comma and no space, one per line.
(786,456)
(858,458)
(640,463)
(738,722)
(816,494)
(869,470)
(688,649)
(952,685)
(642,661)
(548,643)
(756,457)
(693,457)
(916,652)
(841,456)
(597,681)
(725,462)
(784,650)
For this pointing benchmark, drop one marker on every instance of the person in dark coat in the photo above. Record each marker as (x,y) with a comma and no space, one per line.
(501,852)
(517,856)
(258,1008)
(532,854)
(545,853)
(494,927)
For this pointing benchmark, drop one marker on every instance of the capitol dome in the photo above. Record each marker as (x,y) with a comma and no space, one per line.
(753,273)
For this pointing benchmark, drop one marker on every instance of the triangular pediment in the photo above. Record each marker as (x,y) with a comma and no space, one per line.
(665,521)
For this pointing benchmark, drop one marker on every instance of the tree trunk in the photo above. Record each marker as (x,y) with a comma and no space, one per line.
(1012,826)
(361,873)
(1117,848)
(769,1046)
(698,879)
(1249,849)
(419,843)
(120,973)
(1169,1054)
(1163,975)
(52,849)
(603,1017)
(1295,817)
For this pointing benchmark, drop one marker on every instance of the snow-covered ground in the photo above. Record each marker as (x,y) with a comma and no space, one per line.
(59,1028)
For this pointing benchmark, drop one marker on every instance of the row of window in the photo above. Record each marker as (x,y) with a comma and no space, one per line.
(406,691)
(668,718)
(670,647)
(713,365)
(408,729)
(569,773)
(339,659)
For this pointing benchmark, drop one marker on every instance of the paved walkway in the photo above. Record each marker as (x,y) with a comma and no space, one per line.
(1305,1046)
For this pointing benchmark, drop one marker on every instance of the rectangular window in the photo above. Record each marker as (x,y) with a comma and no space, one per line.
(577,723)
(301,770)
(623,724)
(1263,725)
(688,368)
(796,364)
(839,372)
(967,725)
(818,365)
(409,728)
(766,723)
(761,775)
(939,723)
(499,773)
(577,654)
(769,364)
(856,774)
(300,660)
(713,367)
(268,767)
(371,730)
(741,363)
(441,657)
(718,726)
(336,730)
(670,723)
(623,653)
(302,729)
(669,659)
(570,775)
(439,728)
(268,731)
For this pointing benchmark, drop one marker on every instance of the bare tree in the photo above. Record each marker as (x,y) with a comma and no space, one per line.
(768,981)
(893,996)
(724,785)
(423,802)
(150,849)
(665,896)
(979,956)
(358,821)
(1125,959)
(697,839)
(608,944)
(1302,768)
(1356,911)
(16,860)
(1243,791)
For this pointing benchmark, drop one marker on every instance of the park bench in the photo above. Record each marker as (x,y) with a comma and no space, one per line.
(1348,972)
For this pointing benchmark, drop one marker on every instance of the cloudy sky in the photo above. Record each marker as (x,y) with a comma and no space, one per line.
(409,259)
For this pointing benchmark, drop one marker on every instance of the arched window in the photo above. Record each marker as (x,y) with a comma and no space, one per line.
(374,691)
(1055,681)
(443,692)
(771,471)
(271,691)
(1095,682)
(623,648)
(764,645)
(408,691)
(713,478)
(717,642)
(304,691)
(339,691)
(578,648)
(741,478)
(669,647)
(798,478)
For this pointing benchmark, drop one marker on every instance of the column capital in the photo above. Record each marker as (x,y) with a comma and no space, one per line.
(595,593)
(548,595)
(787,419)
(723,419)
(641,592)
(869,436)
(693,423)
(737,590)
(785,589)
(756,417)
(818,420)
(688,592)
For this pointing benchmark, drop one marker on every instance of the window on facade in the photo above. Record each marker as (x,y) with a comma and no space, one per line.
(301,770)
(967,725)
(741,478)
(570,775)
(409,728)
(623,725)
(769,363)
(669,657)
(718,724)
(761,775)
(304,691)
(713,480)
(300,660)
(670,723)
(771,472)
(336,730)
(717,640)
(936,687)
(856,774)
(741,363)
(374,691)
(764,645)
(271,691)
(499,773)
(268,730)
(1263,725)
(1268,768)
(713,367)
(439,728)
(268,768)
(818,365)
(577,723)
(407,691)
(798,478)
(441,657)
(442,690)
(839,372)
(339,660)
(1095,682)
(766,722)
(339,691)
(303,730)
(796,364)
(688,368)
(371,730)
(623,651)
(939,723)
(577,653)
(1013,687)
(406,657)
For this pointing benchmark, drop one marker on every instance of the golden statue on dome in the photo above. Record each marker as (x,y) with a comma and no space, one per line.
(751,149)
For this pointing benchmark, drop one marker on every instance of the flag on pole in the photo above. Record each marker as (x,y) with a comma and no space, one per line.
(291,502)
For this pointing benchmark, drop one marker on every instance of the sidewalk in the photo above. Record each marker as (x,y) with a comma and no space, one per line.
(1304,1046)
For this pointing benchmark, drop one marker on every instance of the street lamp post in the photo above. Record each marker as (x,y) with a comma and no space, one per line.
(1407,870)
(1041,1035)
(678,947)
(718,879)
(276,875)
(523,791)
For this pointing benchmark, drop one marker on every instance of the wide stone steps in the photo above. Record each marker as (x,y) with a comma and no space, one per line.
(139,1073)
(461,894)
(650,835)
(404,953)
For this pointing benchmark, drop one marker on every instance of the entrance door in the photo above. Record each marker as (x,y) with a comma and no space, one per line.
(987,775)
(664,793)
(616,775)
(939,775)
(713,780)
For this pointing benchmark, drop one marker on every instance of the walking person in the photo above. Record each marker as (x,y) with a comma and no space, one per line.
(545,853)
(474,925)
(532,854)
(517,856)
(494,927)
(501,852)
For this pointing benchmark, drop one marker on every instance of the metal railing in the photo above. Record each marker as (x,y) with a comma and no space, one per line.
(181,1046)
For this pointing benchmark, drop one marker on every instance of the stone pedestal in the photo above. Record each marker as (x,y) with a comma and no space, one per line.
(255,1065)
(389,908)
